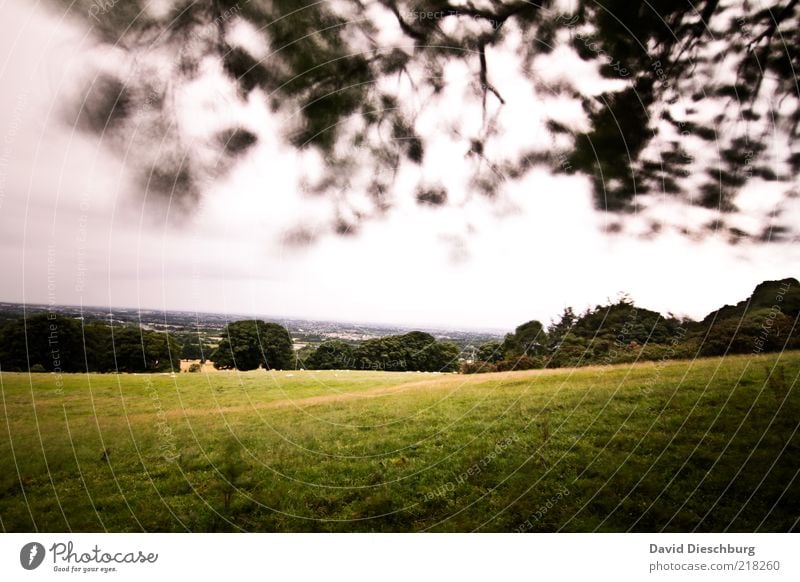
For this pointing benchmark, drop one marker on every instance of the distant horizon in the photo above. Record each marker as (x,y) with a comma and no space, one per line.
(254,315)
(233,315)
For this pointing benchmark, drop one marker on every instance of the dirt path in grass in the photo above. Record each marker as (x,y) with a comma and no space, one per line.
(444,382)
(437,383)
(302,403)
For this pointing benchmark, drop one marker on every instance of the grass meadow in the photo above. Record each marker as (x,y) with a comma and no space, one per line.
(707,445)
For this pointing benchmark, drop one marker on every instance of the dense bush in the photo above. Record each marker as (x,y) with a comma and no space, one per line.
(477,367)
(521,363)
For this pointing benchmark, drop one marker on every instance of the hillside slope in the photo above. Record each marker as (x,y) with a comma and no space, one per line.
(708,445)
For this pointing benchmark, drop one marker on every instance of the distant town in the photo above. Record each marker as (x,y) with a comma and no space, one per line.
(206,328)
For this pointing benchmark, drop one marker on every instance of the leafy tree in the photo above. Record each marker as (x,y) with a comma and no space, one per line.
(50,341)
(99,342)
(783,294)
(572,351)
(520,363)
(138,350)
(690,97)
(528,339)
(195,351)
(491,352)
(558,330)
(387,353)
(302,355)
(246,345)
(764,330)
(623,323)
(443,357)
(422,352)
(416,351)
(57,343)
(331,355)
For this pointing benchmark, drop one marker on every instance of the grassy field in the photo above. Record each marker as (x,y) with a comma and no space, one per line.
(710,445)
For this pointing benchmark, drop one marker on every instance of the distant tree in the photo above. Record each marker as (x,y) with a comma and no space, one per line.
(443,357)
(245,345)
(764,330)
(520,363)
(99,342)
(571,351)
(51,341)
(528,339)
(415,351)
(196,351)
(331,355)
(623,323)
(388,353)
(477,367)
(491,352)
(422,352)
(58,343)
(138,350)
(558,330)
(301,356)
(784,293)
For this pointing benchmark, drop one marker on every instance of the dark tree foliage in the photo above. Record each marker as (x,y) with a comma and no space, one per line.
(246,345)
(137,350)
(624,323)
(529,339)
(55,343)
(196,351)
(765,322)
(331,355)
(614,333)
(621,332)
(558,330)
(414,351)
(759,331)
(50,341)
(193,345)
(696,100)
(783,294)
(491,352)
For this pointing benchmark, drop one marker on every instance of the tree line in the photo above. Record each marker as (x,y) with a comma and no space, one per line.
(619,332)
(49,342)
(413,351)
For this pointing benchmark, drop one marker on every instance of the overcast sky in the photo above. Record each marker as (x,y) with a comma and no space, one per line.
(74,230)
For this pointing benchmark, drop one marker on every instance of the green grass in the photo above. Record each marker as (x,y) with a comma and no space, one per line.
(710,445)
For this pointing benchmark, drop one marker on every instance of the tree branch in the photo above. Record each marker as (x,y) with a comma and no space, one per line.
(484,76)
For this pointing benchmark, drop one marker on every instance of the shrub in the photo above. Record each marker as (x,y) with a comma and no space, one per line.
(477,367)
(521,363)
